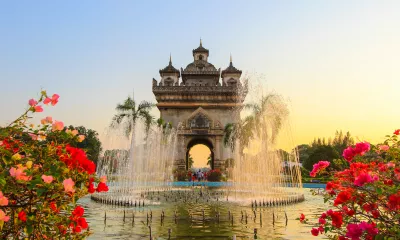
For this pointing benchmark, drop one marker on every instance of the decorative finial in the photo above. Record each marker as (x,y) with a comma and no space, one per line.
(170,59)
(201,43)
(231,58)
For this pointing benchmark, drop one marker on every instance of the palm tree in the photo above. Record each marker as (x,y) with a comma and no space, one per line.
(271,107)
(190,162)
(129,113)
(209,161)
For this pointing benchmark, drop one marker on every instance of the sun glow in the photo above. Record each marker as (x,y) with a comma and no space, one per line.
(200,154)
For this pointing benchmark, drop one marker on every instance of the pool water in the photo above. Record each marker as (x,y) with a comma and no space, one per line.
(221,220)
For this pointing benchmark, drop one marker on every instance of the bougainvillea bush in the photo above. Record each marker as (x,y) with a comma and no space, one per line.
(42,177)
(365,195)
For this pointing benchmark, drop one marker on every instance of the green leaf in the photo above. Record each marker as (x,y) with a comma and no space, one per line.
(2,182)
(33,183)
(378,190)
(41,191)
(29,229)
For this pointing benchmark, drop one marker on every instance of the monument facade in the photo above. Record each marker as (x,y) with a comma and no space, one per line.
(199,101)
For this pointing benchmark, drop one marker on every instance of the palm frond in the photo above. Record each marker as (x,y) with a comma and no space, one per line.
(144,105)
(128,105)
(117,119)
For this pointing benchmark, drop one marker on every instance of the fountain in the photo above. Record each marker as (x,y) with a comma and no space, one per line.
(142,172)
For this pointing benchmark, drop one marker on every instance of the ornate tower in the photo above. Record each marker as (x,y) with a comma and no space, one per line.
(200,105)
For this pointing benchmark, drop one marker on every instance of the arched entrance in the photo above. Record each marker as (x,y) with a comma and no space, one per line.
(197,141)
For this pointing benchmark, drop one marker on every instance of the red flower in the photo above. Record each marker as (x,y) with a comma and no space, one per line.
(76,229)
(91,188)
(78,211)
(62,229)
(342,197)
(102,187)
(315,231)
(53,206)
(375,213)
(302,217)
(394,202)
(388,182)
(337,218)
(397,132)
(369,207)
(347,211)
(82,223)
(77,159)
(22,216)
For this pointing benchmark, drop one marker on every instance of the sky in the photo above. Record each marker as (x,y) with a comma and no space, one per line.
(335,62)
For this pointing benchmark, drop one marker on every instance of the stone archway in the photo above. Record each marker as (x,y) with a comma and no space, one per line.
(200,140)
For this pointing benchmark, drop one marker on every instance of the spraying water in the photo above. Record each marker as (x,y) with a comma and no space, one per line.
(261,173)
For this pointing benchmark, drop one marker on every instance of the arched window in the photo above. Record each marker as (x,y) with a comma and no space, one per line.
(201,57)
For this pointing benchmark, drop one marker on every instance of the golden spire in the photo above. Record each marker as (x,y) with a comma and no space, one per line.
(201,43)
(170,59)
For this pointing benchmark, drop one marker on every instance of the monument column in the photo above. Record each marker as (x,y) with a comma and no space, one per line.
(217,153)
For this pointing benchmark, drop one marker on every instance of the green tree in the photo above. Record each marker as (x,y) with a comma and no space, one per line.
(322,152)
(129,113)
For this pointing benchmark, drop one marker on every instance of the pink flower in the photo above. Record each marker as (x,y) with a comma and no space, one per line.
(354,231)
(32,102)
(72,132)
(103,179)
(53,100)
(390,165)
(46,120)
(69,185)
(348,154)
(58,126)
(19,173)
(322,221)
(384,147)
(33,136)
(81,138)
(3,200)
(38,109)
(3,216)
(364,178)
(360,149)
(321,165)
(47,179)
(369,227)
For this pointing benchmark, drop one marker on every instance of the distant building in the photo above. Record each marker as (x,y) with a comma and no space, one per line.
(200,100)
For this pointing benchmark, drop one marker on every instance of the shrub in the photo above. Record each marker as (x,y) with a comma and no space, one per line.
(365,196)
(180,175)
(214,175)
(42,177)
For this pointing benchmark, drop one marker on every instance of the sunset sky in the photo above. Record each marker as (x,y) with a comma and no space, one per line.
(336,62)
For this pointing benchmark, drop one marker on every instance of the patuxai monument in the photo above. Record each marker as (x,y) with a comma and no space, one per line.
(199,101)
